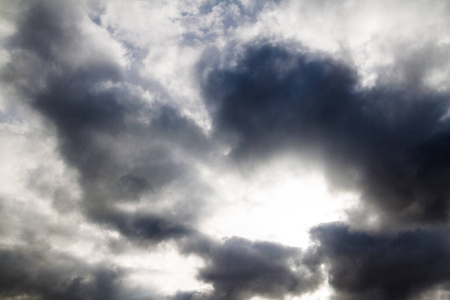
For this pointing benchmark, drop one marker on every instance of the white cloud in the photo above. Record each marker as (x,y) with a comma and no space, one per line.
(278,202)
(158,46)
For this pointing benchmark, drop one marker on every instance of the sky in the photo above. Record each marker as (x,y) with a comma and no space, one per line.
(224,150)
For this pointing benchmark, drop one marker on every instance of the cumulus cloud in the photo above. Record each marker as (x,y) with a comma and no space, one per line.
(139,138)
(239,268)
(389,141)
(46,275)
(372,266)
(119,144)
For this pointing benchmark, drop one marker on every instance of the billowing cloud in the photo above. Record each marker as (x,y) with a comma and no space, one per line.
(389,141)
(120,145)
(183,150)
(46,275)
(239,268)
(372,266)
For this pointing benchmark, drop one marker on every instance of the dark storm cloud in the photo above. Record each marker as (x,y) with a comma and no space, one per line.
(189,296)
(48,26)
(239,269)
(31,273)
(144,227)
(132,186)
(390,141)
(369,266)
(123,147)
(393,143)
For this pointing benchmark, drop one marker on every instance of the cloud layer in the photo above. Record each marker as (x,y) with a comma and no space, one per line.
(127,129)
(390,141)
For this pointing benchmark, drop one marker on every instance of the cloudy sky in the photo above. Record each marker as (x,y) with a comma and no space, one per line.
(224,150)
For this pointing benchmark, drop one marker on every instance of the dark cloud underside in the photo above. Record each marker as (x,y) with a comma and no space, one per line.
(46,275)
(364,265)
(390,141)
(240,269)
(98,126)
(143,166)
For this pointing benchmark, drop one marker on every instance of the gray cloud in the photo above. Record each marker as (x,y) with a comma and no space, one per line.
(40,273)
(375,266)
(388,141)
(240,269)
(143,164)
(121,146)
(124,149)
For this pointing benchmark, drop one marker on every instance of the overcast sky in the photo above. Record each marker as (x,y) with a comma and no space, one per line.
(224,150)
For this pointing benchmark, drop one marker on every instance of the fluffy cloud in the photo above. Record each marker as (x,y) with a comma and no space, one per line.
(132,133)
(374,266)
(119,144)
(389,141)
(239,268)
(47,275)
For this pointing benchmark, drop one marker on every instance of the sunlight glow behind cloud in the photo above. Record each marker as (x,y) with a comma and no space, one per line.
(279,203)
(224,149)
